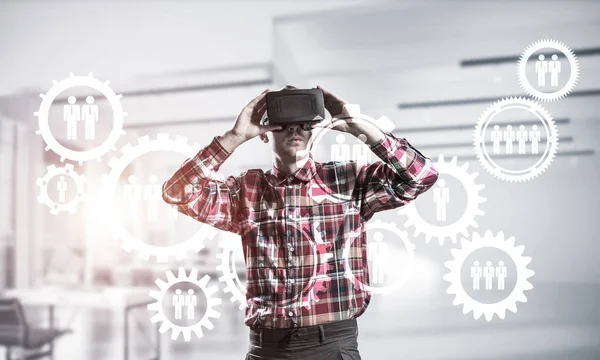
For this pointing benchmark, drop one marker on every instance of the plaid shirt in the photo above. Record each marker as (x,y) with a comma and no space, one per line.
(293,243)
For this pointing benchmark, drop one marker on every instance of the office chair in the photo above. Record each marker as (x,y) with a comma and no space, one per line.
(16,333)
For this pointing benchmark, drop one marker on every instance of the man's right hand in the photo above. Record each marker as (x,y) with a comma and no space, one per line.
(247,125)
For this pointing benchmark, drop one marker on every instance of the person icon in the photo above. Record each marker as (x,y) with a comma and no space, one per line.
(377,254)
(361,152)
(496,138)
(178,303)
(441,198)
(522,138)
(152,196)
(554,68)
(488,274)
(71,115)
(501,274)
(190,302)
(476,274)
(541,69)
(89,114)
(535,136)
(132,196)
(340,151)
(61,188)
(508,137)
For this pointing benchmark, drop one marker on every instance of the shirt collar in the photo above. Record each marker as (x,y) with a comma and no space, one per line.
(304,174)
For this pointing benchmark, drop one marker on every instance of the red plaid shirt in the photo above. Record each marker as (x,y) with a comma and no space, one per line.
(292,243)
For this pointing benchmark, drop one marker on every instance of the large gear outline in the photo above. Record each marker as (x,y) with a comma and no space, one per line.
(466,220)
(522,104)
(44,110)
(230,278)
(522,70)
(497,242)
(352,112)
(118,165)
(167,324)
(44,198)
(410,249)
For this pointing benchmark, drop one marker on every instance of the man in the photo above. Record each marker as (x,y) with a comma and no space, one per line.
(299,307)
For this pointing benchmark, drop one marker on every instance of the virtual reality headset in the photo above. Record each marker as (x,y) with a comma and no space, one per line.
(303,107)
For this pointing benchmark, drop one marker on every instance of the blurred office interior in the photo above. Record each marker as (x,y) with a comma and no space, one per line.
(188,68)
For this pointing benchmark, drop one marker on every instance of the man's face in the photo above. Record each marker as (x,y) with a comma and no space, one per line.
(290,139)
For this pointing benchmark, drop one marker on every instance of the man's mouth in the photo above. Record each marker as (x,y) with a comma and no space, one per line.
(295,139)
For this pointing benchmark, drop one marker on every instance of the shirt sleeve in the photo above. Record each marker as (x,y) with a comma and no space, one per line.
(402,175)
(203,197)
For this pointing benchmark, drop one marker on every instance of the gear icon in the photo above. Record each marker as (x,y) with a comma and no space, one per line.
(69,206)
(474,200)
(118,165)
(231,279)
(486,309)
(410,249)
(522,70)
(160,297)
(520,104)
(44,110)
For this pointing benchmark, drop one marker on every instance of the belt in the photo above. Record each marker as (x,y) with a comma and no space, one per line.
(260,336)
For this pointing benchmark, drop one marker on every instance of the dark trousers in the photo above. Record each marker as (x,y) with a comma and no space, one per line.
(333,341)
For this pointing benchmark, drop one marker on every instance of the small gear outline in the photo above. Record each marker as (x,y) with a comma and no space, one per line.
(498,242)
(230,278)
(130,153)
(167,324)
(44,110)
(474,200)
(521,104)
(522,70)
(409,246)
(44,198)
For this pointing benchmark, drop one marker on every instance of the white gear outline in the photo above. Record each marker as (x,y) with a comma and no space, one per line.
(168,324)
(410,249)
(551,141)
(118,165)
(352,112)
(467,219)
(52,94)
(522,70)
(230,278)
(44,198)
(497,242)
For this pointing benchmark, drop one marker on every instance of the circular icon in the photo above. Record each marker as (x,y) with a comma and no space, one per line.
(63,176)
(553,72)
(515,140)
(488,275)
(44,110)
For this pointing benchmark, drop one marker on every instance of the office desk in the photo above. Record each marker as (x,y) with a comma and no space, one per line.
(113,298)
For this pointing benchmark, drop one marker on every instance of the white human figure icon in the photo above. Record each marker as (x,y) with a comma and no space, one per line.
(71,115)
(488,274)
(132,196)
(340,151)
(361,152)
(191,301)
(541,69)
(61,187)
(522,138)
(501,274)
(441,197)
(554,68)
(152,196)
(89,114)
(178,303)
(377,254)
(535,136)
(496,137)
(476,274)
(509,137)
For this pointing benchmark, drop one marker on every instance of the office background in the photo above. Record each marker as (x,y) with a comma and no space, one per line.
(187,68)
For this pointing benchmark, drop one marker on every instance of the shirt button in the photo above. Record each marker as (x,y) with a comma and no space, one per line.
(291,313)
(291,281)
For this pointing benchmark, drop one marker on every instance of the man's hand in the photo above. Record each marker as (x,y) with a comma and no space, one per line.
(247,125)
